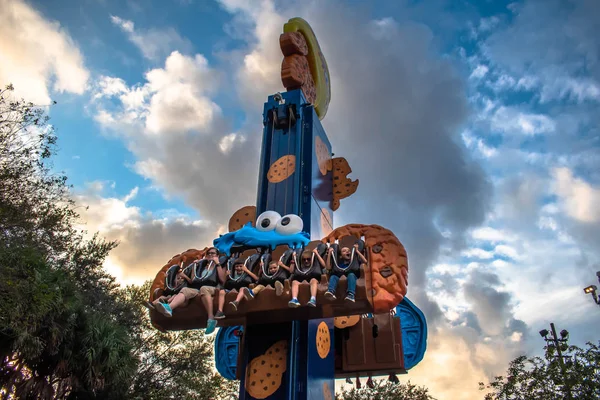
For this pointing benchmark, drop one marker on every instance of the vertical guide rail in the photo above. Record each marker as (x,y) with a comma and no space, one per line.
(308,373)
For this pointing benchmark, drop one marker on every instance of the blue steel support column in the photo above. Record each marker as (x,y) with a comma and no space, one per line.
(305,193)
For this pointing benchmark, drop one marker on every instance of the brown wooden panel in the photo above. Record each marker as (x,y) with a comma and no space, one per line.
(363,354)
(385,341)
(354,347)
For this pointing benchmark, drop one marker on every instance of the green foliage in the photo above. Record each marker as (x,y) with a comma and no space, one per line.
(546,379)
(35,208)
(385,390)
(173,365)
(52,344)
(67,329)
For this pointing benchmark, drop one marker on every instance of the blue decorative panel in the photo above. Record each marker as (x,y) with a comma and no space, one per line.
(414,332)
(226,351)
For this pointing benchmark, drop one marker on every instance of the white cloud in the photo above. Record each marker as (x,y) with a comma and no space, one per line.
(451,269)
(579,199)
(511,120)
(107,213)
(227,142)
(507,251)
(37,53)
(173,99)
(474,143)
(489,23)
(146,241)
(493,235)
(478,253)
(153,43)
(479,72)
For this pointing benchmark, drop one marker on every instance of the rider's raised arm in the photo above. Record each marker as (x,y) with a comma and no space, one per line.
(321,261)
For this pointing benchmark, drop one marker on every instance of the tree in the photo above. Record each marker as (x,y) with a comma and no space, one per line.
(56,338)
(385,390)
(67,329)
(53,346)
(545,379)
(173,365)
(35,207)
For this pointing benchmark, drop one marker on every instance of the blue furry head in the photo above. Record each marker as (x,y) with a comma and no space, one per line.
(274,231)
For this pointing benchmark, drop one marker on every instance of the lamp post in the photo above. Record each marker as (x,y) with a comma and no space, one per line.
(592,290)
(554,342)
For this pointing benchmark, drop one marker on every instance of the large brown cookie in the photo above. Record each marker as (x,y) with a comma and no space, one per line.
(323,338)
(346,321)
(187,257)
(386,277)
(293,43)
(323,156)
(295,70)
(264,373)
(282,169)
(241,217)
(342,185)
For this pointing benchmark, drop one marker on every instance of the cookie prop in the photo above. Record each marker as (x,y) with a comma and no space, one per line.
(282,169)
(342,185)
(387,276)
(346,321)
(241,217)
(295,74)
(323,156)
(304,66)
(187,257)
(264,373)
(323,338)
(326,223)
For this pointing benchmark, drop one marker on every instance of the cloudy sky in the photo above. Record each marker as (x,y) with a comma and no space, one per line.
(472,126)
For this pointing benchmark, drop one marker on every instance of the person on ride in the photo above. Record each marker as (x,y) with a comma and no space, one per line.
(273,268)
(344,262)
(208,290)
(239,268)
(180,280)
(302,275)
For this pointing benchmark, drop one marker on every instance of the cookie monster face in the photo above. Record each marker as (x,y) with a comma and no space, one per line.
(271,231)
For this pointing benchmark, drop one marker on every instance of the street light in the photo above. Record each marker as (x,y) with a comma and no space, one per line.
(592,290)
(554,343)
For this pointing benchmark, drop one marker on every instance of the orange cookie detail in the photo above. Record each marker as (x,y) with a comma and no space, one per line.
(342,185)
(295,69)
(323,340)
(241,217)
(326,223)
(187,257)
(323,156)
(278,354)
(262,380)
(293,43)
(387,279)
(346,321)
(282,169)
(264,373)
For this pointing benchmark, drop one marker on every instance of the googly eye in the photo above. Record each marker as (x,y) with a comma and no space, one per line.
(267,221)
(289,224)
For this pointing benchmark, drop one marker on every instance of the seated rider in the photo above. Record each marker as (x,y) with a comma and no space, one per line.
(275,275)
(180,282)
(239,280)
(207,286)
(346,266)
(307,271)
